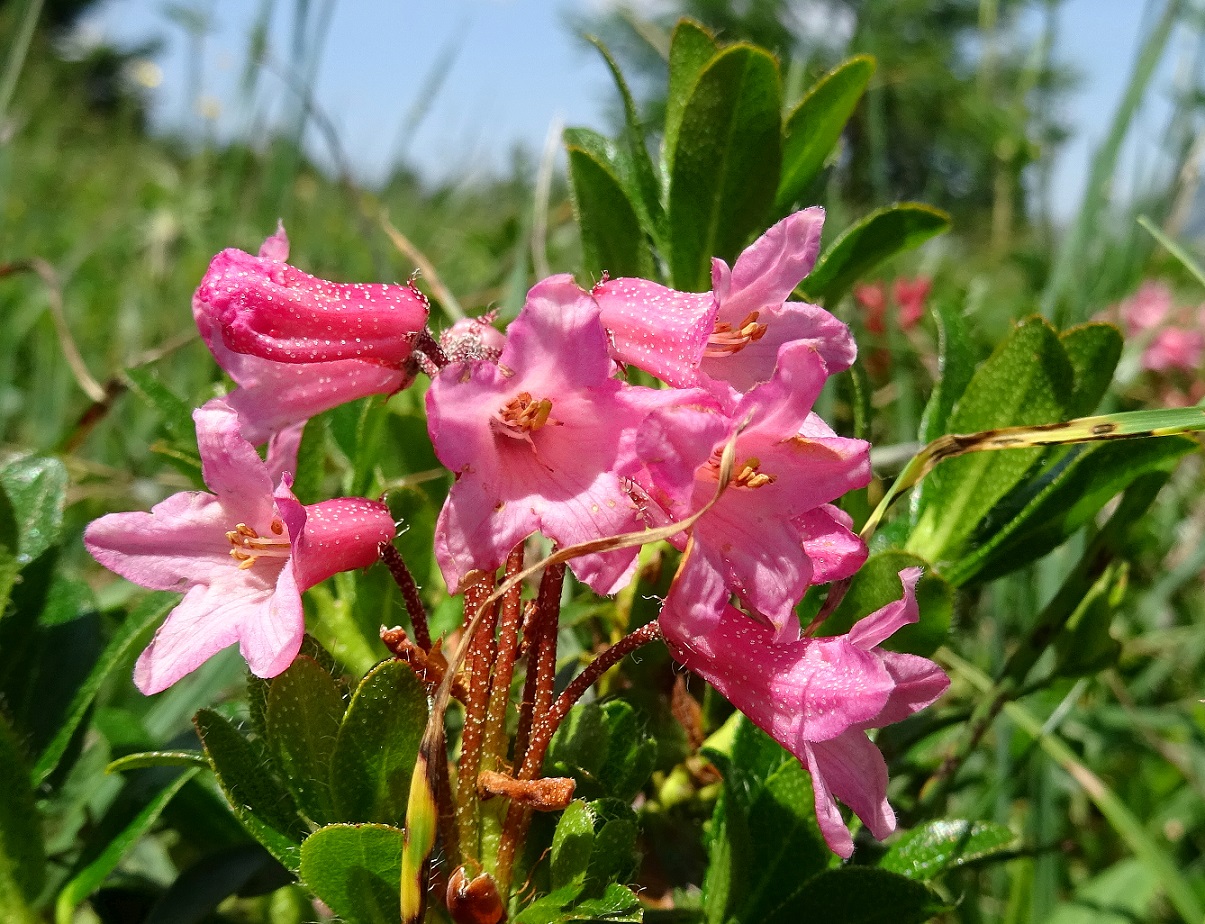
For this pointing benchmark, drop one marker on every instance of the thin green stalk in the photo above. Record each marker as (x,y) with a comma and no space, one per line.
(16,55)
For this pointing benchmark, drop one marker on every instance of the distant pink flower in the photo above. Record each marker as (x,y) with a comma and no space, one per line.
(873,297)
(910,296)
(272,396)
(732,334)
(755,541)
(242,555)
(472,339)
(818,696)
(539,440)
(1147,308)
(1174,348)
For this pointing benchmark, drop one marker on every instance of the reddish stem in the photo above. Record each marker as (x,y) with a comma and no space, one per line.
(504,666)
(414,603)
(479,658)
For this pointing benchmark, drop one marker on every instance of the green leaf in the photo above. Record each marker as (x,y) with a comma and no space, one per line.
(726,162)
(355,869)
(691,47)
(257,798)
(862,895)
(879,236)
(1044,513)
(814,127)
(10,544)
(1027,380)
(605,748)
(37,490)
(131,636)
(933,848)
(144,759)
(1085,645)
(22,855)
(175,411)
(956,366)
(1093,351)
(377,746)
(614,856)
(644,190)
(616,903)
(764,839)
(612,237)
(877,583)
(572,844)
(311,461)
(305,710)
(89,879)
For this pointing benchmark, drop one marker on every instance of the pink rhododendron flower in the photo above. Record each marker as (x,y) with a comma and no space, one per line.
(731,335)
(873,297)
(472,339)
(540,440)
(1174,348)
(272,396)
(755,541)
(818,696)
(1147,308)
(242,555)
(910,296)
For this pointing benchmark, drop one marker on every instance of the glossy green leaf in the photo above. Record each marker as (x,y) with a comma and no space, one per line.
(37,489)
(862,895)
(311,461)
(1027,380)
(257,797)
(933,848)
(616,903)
(764,841)
(1041,515)
(175,411)
(88,880)
(614,856)
(691,47)
(1093,351)
(726,162)
(10,543)
(132,635)
(644,190)
(305,710)
(877,583)
(879,236)
(814,127)
(605,749)
(956,365)
(612,237)
(355,870)
(22,855)
(377,746)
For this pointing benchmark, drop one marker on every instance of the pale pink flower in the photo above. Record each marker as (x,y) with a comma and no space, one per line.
(1174,348)
(873,297)
(758,538)
(1147,308)
(732,334)
(539,440)
(818,696)
(241,555)
(273,395)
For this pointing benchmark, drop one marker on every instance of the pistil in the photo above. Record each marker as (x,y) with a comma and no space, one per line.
(726,339)
(522,415)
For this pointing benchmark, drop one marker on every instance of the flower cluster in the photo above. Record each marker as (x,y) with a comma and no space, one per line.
(1174,342)
(910,296)
(544,433)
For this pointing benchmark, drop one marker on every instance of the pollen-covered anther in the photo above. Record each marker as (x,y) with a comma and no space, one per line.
(248,545)
(523,414)
(726,339)
(748,476)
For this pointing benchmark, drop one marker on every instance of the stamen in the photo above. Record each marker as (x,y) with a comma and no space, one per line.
(745,474)
(522,415)
(726,340)
(248,546)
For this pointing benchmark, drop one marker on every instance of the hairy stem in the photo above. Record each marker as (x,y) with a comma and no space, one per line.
(414,603)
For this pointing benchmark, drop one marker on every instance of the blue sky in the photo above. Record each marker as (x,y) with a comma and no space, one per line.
(517,68)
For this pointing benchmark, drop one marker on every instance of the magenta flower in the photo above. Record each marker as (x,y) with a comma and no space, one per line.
(1174,348)
(911,296)
(818,696)
(540,440)
(242,555)
(757,541)
(276,392)
(1147,308)
(733,334)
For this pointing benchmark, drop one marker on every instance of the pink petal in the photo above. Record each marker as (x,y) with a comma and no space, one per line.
(851,768)
(558,342)
(834,549)
(209,618)
(674,441)
(769,269)
(271,636)
(918,683)
(181,542)
(339,535)
(697,598)
(659,330)
(828,816)
(873,630)
(276,247)
(282,450)
(231,467)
